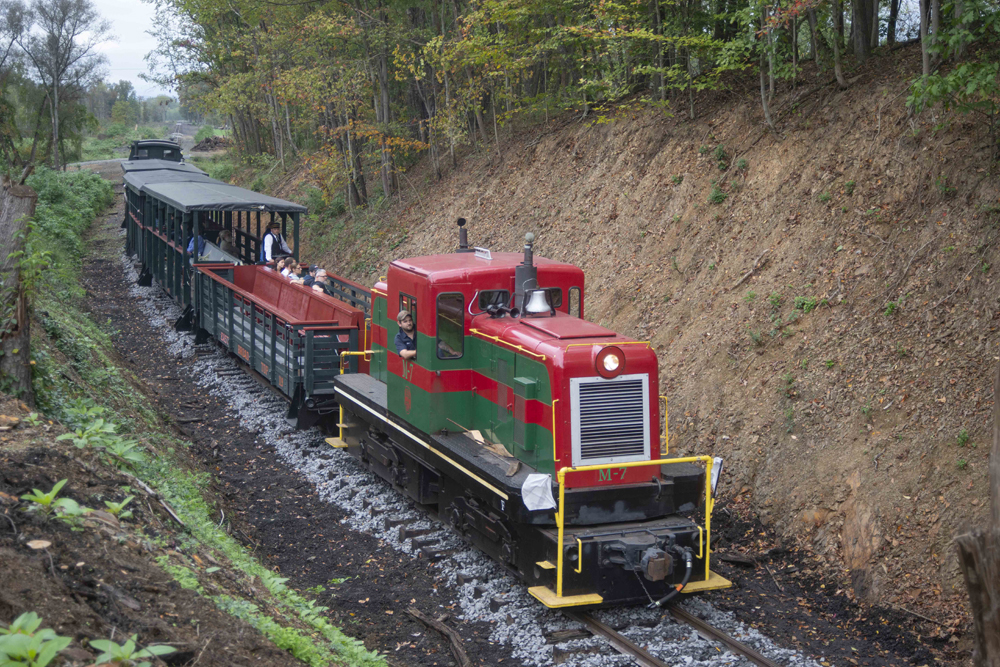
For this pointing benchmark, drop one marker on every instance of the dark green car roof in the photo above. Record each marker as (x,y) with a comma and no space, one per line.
(214,195)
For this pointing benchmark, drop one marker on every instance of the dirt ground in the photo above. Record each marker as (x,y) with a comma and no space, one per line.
(101,581)
(829,327)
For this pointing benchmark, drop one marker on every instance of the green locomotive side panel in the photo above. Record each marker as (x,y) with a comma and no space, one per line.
(426,411)
(518,378)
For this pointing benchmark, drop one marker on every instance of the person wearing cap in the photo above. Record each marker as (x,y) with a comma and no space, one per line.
(308,280)
(272,244)
(406,343)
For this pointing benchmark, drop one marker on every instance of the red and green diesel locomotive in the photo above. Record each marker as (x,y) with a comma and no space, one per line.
(530,430)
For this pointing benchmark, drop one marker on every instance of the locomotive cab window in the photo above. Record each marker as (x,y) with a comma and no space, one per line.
(574,302)
(408,303)
(493,297)
(554,296)
(450,327)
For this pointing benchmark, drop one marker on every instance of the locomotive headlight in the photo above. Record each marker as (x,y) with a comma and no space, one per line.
(610,362)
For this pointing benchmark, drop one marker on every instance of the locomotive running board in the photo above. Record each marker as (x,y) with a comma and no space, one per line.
(548,597)
(714,582)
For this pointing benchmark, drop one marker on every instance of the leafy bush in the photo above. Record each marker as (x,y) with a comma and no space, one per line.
(717,196)
(24,644)
(126,654)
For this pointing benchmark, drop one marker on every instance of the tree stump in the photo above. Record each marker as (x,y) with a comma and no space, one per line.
(17,205)
(979,558)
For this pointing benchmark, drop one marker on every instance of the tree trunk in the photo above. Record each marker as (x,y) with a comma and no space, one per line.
(838,39)
(795,51)
(890,34)
(874,24)
(861,29)
(958,10)
(925,52)
(813,41)
(979,557)
(935,27)
(17,205)
(54,103)
(763,87)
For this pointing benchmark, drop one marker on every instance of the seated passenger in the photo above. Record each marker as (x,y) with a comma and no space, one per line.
(201,245)
(296,274)
(289,269)
(311,278)
(226,242)
(279,266)
(323,283)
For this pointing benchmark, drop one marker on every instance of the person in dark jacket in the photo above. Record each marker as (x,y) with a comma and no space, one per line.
(406,339)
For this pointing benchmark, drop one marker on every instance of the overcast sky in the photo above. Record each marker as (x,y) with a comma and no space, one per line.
(130,19)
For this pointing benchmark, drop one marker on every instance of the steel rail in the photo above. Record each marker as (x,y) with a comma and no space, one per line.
(620,642)
(712,633)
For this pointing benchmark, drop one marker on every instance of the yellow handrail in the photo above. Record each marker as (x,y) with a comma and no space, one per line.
(666,421)
(503,342)
(610,342)
(554,457)
(363,353)
(561,518)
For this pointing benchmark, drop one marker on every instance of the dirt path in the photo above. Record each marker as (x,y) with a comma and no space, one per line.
(272,509)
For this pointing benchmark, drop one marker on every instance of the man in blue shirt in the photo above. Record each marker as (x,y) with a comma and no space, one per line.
(406,343)
(201,245)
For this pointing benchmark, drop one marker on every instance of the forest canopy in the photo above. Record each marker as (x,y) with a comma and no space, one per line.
(367,84)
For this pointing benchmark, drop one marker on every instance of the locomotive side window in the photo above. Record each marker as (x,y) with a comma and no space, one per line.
(493,297)
(450,328)
(407,302)
(554,296)
(574,301)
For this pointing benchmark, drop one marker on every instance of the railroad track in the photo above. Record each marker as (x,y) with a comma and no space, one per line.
(644,658)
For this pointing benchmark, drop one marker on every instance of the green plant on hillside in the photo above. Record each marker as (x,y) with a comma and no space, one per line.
(742,164)
(961,464)
(703,150)
(677,180)
(963,438)
(23,644)
(825,196)
(118,508)
(775,300)
(805,303)
(720,153)
(943,187)
(128,654)
(750,296)
(97,433)
(830,363)
(44,502)
(891,308)
(849,188)
(717,196)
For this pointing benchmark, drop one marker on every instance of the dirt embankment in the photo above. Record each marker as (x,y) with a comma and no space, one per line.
(828,326)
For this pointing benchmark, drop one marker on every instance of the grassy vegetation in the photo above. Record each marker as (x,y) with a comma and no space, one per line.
(207,131)
(116,137)
(77,381)
(220,167)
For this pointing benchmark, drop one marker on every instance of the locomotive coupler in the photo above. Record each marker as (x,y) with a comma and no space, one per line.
(645,553)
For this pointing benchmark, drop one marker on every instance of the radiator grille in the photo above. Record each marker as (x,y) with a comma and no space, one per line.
(611,419)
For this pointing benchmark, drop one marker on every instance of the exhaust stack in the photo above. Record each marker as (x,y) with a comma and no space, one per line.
(463,237)
(525,273)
